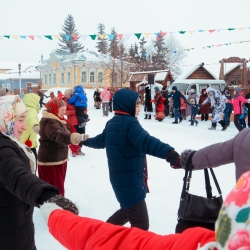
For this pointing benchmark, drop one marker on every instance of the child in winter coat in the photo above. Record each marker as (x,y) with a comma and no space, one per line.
(194,111)
(183,108)
(243,116)
(79,100)
(159,105)
(127,144)
(232,229)
(237,102)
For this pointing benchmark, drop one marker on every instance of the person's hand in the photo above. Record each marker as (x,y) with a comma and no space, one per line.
(36,129)
(184,157)
(63,203)
(174,159)
(82,137)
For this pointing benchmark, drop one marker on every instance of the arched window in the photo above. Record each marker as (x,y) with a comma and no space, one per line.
(84,76)
(92,76)
(62,78)
(68,78)
(100,77)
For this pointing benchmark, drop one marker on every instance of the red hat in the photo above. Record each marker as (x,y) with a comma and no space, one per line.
(53,105)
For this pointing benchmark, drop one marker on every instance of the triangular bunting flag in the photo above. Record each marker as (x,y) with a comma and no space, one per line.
(229,29)
(67,37)
(83,37)
(211,31)
(182,32)
(102,36)
(8,37)
(31,37)
(191,31)
(1,37)
(120,36)
(56,36)
(201,30)
(23,37)
(39,36)
(147,34)
(75,37)
(171,33)
(241,28)
(93,37)
(157,34)
(111,36)
(15,37)
(48,37)
(138,35)
(219,30)
(127,36)
(163,33)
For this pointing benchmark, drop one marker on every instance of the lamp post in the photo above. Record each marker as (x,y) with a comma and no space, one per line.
(19,68)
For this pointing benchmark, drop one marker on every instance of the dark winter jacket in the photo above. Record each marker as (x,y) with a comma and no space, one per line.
(147,102)
(79,99)
(205,108)
(194,108)
(97,96)
(176,97)
(127,144)
(20,191)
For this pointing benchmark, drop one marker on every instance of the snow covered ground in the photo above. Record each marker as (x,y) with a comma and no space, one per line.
(87,180)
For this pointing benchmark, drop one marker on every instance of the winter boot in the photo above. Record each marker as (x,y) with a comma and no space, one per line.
(213,126)
(172,116)
(175,122)
(146,116)
(180,120)
(149,117)
(202,117)
(224,125)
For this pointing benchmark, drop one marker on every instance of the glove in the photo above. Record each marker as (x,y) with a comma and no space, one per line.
(174,159)
(184,157)
(36,129)
(82,137)
(64,203)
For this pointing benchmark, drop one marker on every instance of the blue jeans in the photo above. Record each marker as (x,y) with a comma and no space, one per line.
(227,112)
(176,114)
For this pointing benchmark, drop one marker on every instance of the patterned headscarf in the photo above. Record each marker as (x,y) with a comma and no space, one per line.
(233,224)
(53,105)
(11,107)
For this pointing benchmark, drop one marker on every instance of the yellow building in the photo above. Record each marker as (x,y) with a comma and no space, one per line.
(89,69)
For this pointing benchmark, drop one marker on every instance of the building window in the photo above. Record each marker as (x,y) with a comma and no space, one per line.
(84,78)
(68,80)
(100,77)
(62,78)
(8,86)
(49,79)
(54,79)
(45,79)
(92,76)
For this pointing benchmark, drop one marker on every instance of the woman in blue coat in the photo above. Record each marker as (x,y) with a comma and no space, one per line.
(127,144)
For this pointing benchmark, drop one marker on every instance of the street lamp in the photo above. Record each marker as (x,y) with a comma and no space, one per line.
(19,67)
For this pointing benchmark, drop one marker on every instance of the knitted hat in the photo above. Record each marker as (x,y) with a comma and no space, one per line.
(174,88)
(53,105)
(157,89)
(192,90)
(11,107)
(237,90)
(68,92)
(3,91)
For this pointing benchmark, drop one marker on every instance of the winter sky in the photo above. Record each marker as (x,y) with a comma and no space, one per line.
(46,17)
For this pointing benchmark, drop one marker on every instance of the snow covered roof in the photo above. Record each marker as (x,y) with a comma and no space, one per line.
(160,76)
(190,69)
(13,65)
(28,72)
(143,75)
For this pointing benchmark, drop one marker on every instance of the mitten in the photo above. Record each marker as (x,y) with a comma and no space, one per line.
(184,157)
(174,159)
(64,203)
(82,137)
(36,129)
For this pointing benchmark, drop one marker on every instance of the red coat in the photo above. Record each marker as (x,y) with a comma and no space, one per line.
(70,113)
(238,104)
(205,108)
(159,104)
(80,233)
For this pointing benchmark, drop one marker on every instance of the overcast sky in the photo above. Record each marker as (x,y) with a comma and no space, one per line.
(46,17)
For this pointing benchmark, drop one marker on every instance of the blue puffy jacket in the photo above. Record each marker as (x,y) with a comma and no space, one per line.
(127,144)
(78,99)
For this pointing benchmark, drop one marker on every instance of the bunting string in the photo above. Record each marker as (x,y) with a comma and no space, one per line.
(120,35)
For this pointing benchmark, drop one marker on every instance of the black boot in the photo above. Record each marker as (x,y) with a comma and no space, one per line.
(224,125)
(202,117)
(213,126)
(146,116)
(149,117)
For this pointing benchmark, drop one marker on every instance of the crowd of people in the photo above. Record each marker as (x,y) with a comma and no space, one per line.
(173,103)
(126,144)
